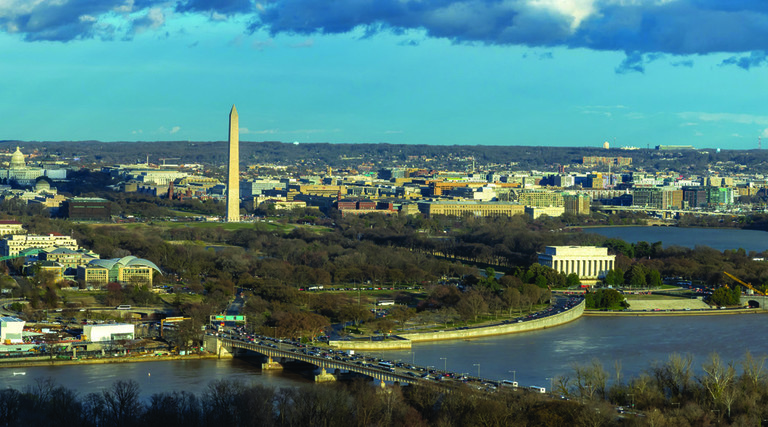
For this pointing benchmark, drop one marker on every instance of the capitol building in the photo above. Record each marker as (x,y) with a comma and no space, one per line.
(19,172)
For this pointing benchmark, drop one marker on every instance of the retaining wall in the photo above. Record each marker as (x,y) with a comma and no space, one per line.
(510,328)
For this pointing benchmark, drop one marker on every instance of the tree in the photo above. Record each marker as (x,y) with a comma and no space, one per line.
(637,276)
(402,314)
(606,299)
(472,305)
(572,280)
(614,277)
(654,279)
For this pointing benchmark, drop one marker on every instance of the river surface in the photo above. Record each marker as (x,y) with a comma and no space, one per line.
(636,342)
(716,238)
(153,377)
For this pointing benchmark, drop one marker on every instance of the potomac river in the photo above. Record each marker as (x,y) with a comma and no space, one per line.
(534,356)
(636,342)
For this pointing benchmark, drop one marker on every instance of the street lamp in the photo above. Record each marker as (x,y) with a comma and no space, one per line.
(513,376)
(445,363)
(551,386)
(478,369)
(632,397)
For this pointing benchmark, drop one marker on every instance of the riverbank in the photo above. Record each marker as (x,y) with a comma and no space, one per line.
(404,341)
(712,312)
(47,361)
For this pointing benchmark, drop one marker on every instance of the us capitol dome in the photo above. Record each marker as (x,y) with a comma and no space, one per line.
(22,174)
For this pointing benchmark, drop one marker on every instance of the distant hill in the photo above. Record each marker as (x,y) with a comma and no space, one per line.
(456,157)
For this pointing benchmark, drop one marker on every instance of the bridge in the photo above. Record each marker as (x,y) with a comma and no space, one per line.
(664,213)
(325,364)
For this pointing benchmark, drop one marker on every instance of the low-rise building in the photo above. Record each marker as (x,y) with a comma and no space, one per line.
(9,227)
(109,332)
(69,258)
(128,269)
(12,245)
(460,208)
(88,208)
(11,329)
(535,212)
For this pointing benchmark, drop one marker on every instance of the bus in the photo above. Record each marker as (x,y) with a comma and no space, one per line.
(509,383)
(386,365)
(123,307)
(537,389)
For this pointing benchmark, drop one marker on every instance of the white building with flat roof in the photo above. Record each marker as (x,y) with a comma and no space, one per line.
(109,332)
(589,262)
(11,329)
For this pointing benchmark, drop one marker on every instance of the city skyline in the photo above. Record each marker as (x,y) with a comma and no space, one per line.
(475,72)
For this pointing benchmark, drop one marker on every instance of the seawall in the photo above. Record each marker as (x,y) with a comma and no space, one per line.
(487,331)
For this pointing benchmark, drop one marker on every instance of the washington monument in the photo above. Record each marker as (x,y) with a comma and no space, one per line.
(233,176)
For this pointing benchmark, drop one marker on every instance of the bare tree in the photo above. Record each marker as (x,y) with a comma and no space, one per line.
(718,378)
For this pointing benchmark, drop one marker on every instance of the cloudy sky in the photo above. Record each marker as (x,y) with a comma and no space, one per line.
(501,72)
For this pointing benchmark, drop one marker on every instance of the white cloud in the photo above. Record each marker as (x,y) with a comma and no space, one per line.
(765,133)
(175,129)
(576,10)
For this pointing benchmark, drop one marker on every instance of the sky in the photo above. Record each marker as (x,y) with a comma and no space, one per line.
(453,72)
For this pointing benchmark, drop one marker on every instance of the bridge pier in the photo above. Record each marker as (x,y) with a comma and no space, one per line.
(324,376)
(271,365)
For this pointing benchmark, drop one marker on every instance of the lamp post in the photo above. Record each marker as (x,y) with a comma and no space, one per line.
(445,363)
(513,376)
(478,369)
(551,386)
(632,400)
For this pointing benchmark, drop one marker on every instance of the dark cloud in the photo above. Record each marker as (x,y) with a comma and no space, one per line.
(224,7)
(635,62)
(59,21)
(641,27)
(754,59)
(677,27)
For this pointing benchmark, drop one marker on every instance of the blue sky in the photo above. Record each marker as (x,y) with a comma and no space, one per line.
(497,72)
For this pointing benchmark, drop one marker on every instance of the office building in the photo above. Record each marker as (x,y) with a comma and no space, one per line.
(12,245)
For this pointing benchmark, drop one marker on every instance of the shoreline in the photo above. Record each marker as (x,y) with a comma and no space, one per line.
(714,312)
(406,340)
(102,361)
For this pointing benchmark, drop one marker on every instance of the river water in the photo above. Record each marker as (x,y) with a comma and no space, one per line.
(153,377)
(636,342)
(716,238)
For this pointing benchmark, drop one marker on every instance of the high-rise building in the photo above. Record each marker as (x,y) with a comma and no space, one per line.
(233,175)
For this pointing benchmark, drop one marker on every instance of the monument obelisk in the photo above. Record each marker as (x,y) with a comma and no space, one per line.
(233,175)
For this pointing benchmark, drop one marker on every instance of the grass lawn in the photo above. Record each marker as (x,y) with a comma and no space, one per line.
(652,297)
(169,299)
(82,298)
